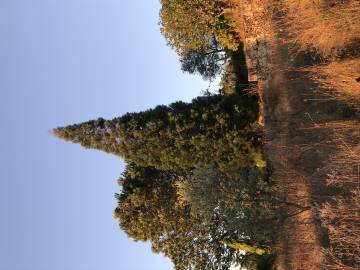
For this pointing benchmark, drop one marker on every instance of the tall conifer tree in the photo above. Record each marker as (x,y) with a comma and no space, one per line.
(211,130)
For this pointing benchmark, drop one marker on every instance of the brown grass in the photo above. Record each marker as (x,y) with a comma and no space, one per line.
(339,77)
(341,214)
(324,25)
(315,153)
(340,211)
(342,219)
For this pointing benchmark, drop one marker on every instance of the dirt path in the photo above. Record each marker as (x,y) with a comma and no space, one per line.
(285,119)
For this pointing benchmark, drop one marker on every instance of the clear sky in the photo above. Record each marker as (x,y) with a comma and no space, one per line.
(63,62)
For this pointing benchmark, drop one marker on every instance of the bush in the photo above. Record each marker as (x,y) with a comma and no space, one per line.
(240,199)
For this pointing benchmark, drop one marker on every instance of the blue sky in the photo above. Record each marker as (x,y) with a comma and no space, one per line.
(64,62)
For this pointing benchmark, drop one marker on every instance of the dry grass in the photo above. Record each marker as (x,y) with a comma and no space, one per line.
(297,246)
(342,219)
(340,211)
(341,214)
(324,153)
(340,78)
(324,25)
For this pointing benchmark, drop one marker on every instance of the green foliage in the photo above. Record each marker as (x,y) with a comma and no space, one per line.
(241,200)
(195,25)
(228,81)
(149,210)
(194,186)
(207,64)
(145,194)
(235,76)
(207,145)
(200,32)
(212,130)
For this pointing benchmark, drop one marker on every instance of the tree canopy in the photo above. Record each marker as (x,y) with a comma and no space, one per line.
(241,201)
(200,32)
(207,64)
(149,210)
(196,25)
(211,130)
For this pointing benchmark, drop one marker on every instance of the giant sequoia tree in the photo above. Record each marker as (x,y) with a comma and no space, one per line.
(149,209)
(211,130)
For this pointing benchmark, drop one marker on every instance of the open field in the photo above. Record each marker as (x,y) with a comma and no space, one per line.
(330,27)
(341,80)
(305,55)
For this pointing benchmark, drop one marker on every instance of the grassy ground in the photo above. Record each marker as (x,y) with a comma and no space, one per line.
(329,27)
(308,74)
(341,78)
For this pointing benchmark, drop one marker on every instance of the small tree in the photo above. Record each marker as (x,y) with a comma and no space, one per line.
(200,33)
(193,25)
(241,200)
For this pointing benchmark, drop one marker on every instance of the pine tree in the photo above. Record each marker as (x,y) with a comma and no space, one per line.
(211,130)
(208,64)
